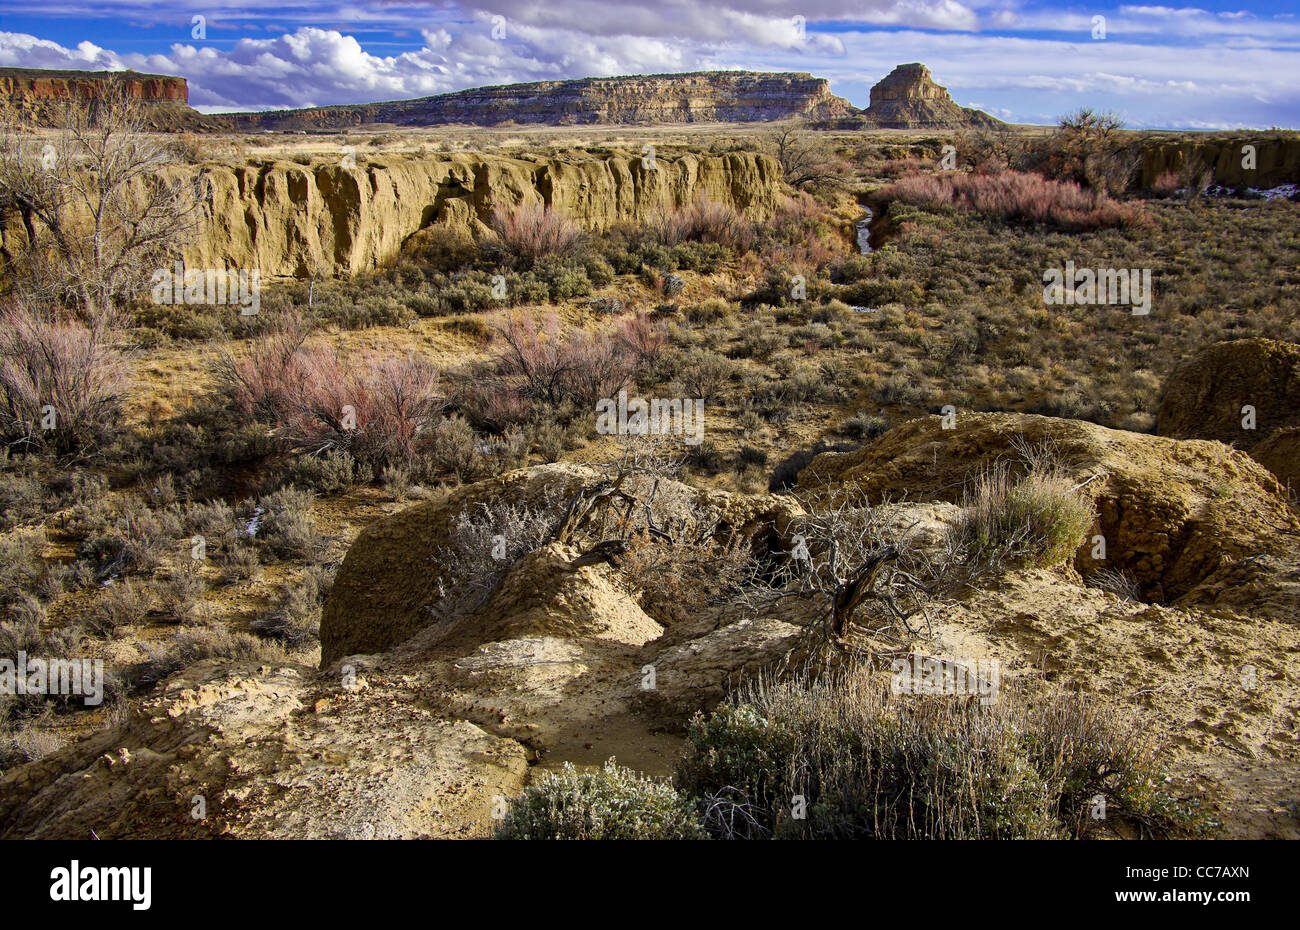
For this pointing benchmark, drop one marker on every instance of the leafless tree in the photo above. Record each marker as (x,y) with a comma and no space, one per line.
(847,553)
(806,162)
(98,209)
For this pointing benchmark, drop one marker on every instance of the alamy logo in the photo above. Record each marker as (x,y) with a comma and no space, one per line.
(916,674)
(1131,286)
(195,286)
(656,417)
(84,677)
(105,883)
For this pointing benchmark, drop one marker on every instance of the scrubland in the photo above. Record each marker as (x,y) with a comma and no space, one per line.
(210,470)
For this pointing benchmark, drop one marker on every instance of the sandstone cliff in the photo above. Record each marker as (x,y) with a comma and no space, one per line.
(702,97)
(35,95)
(908,98)
(294,220)
(1277,160)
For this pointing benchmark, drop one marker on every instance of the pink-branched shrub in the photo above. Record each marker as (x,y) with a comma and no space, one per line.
(531,231)
(60,373)
(1014,195)
(704,220)
(539,360)
(641,336)
(380,408)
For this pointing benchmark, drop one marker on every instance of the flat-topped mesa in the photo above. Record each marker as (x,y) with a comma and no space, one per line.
(37,95)
(699,97)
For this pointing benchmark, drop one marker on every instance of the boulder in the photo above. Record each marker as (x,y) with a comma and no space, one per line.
(1204,396)
(1176,515)
(391,577)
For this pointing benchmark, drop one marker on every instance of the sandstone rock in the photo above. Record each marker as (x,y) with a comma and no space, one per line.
(1277,160)
(908,98)
(287,219)
(390,578)
(231,751)
(1203,397)
(711,96)
(1178,516)
(1280,454)
(35,94)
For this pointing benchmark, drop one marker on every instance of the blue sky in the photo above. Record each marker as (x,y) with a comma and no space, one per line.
(1212,65)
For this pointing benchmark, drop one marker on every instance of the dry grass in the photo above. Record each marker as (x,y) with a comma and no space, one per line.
(870,764)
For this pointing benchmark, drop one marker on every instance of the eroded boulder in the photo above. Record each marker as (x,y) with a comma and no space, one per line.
(1176,515)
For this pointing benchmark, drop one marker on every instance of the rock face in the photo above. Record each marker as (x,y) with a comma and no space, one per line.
(1277,160)
(702,97)
(291,220)
(1180,517)
(35,94)
(908,98)
(1204,396)
(392,575)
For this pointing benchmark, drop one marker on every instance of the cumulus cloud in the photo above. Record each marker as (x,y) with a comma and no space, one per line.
(1238,76)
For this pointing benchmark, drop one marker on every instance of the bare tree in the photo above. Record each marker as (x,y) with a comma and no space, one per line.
(98,210)
(805,162)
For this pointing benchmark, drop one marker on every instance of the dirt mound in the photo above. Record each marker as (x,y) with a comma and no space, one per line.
(1180,517)
(1203,398)
(268,752)
(1280,454)
(393,576)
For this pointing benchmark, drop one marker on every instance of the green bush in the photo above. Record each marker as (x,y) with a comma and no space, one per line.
(614,803)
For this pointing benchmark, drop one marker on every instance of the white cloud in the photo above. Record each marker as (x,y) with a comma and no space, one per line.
(1242,76)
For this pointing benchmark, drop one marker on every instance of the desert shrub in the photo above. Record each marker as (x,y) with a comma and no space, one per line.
(642,337)
(240,562)
(21,498)
(614,803)
(136,540)
(483,542)
(1087,148)
(455,449)
(284,524)
(194,644)
(1038,519)
(704,373)
(444,248)
(295,620)
(853,269)
(1117,581)
(178,595)
(864,426)
(119,605)
(1014,195)
(704,220)
(542,361)
(26,742)
(530,232)
(375,407)
(48,363)
(871,764)
(599,272)
(21,565)
(331,471)
(564,278)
